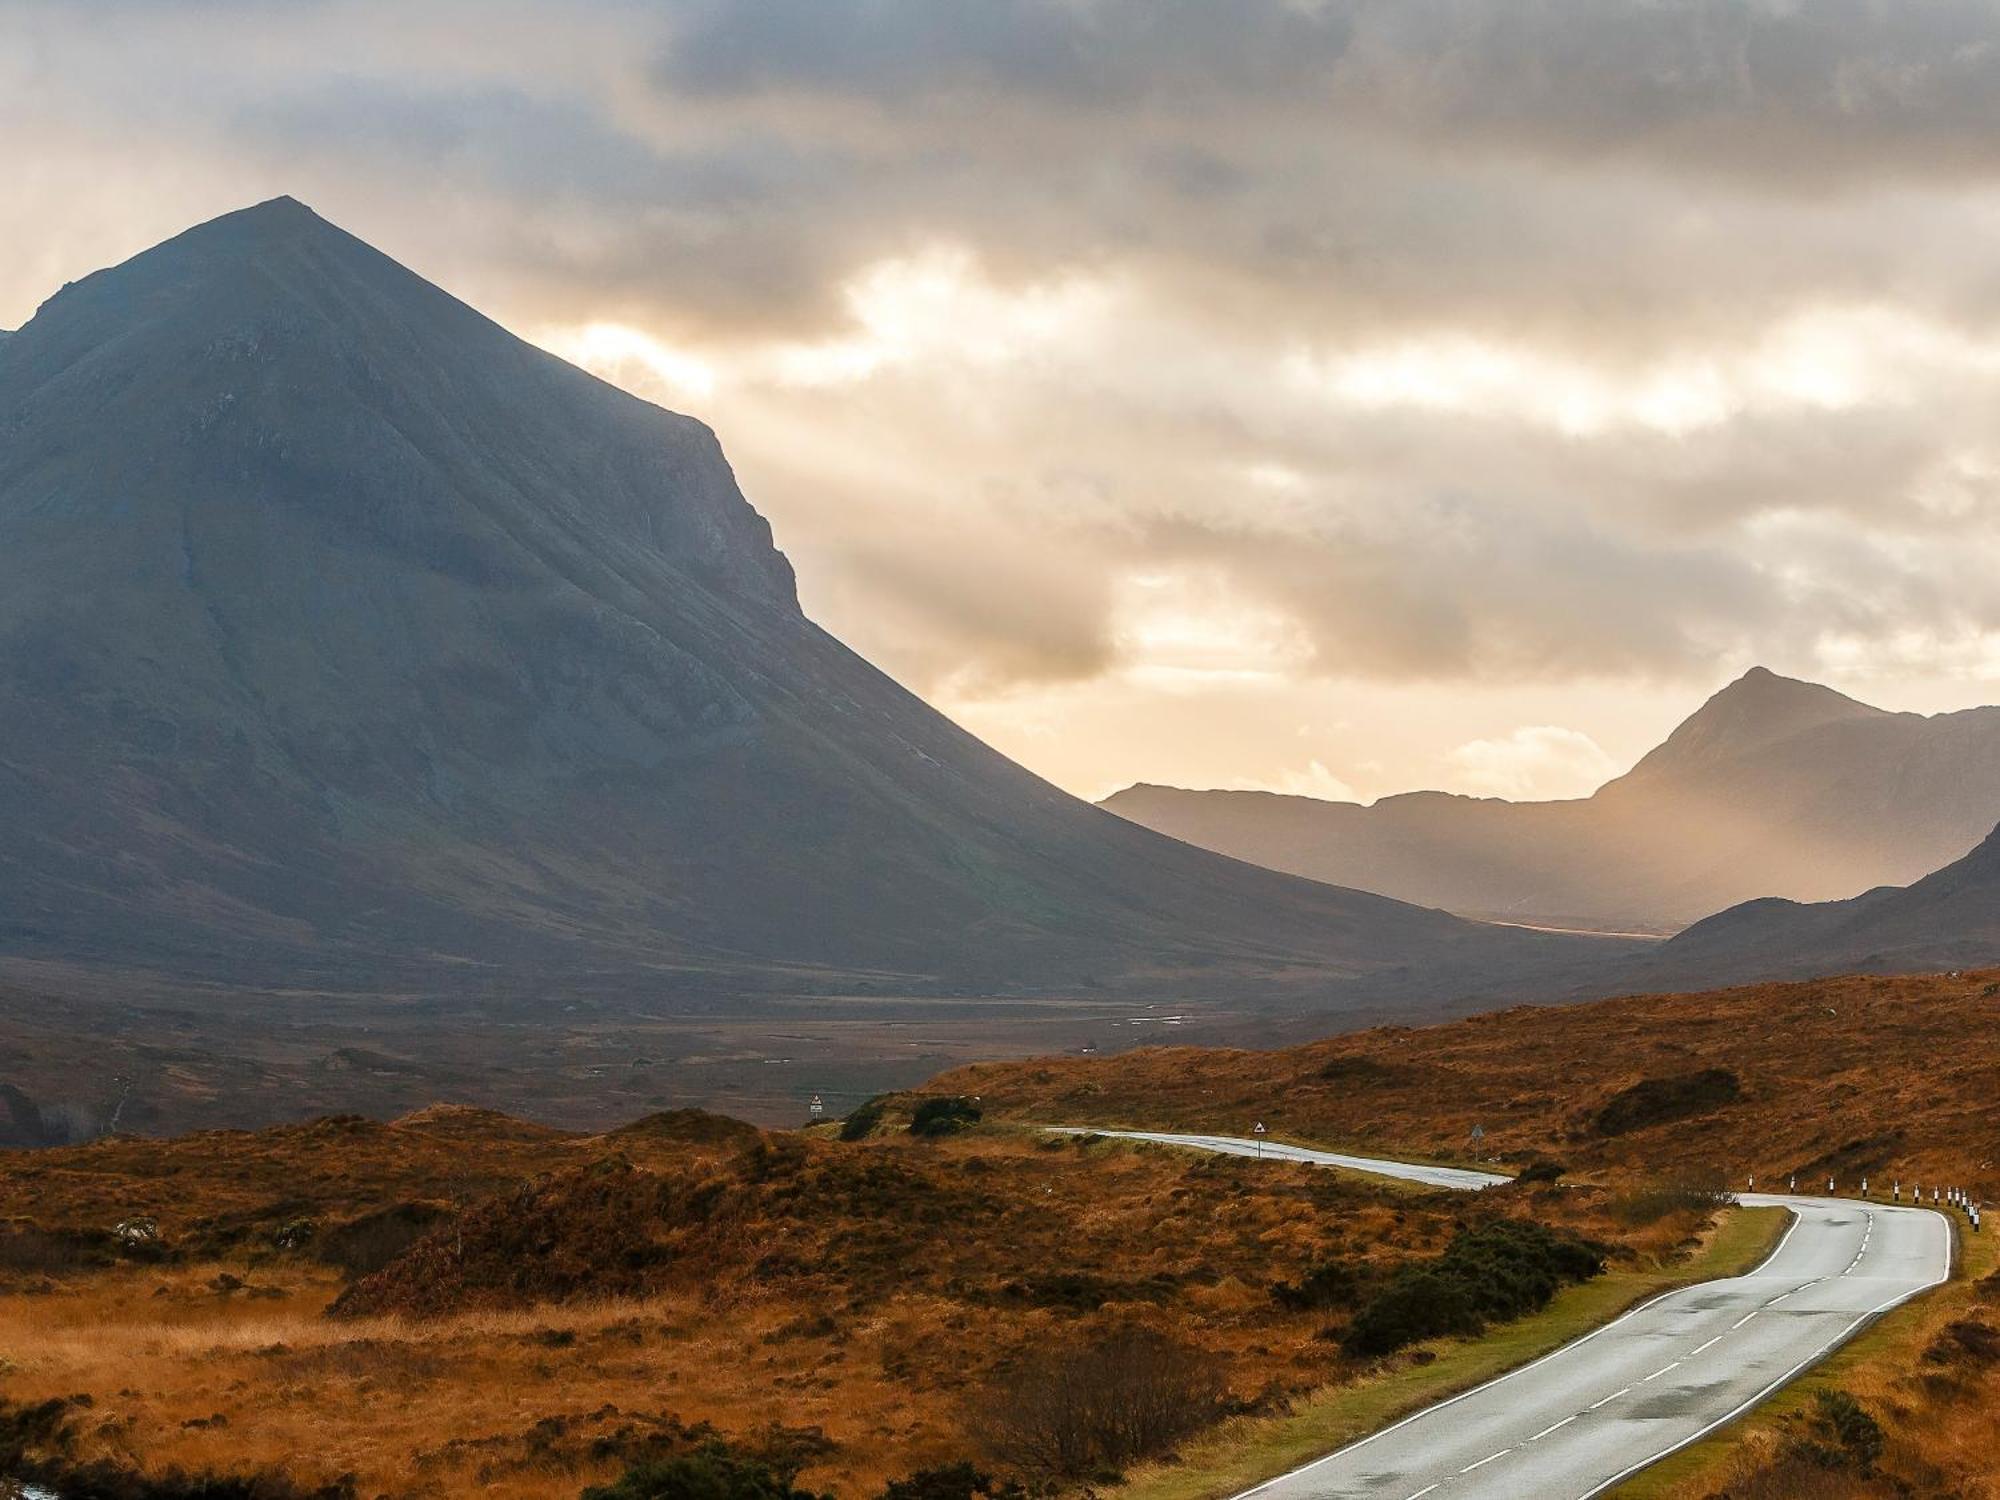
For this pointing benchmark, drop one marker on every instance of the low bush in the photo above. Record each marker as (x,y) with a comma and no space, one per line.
(1656,1101)
(1492,1273)
(1541,1170)
(27,1248)
(943,1114)
(715,1471)
(1084,1291)
(361,1247)
(1843,1434)
(861,1121)
(1365,1072)
(959,1481)
(1089,1408)
(1329,1284)
(1655,1201)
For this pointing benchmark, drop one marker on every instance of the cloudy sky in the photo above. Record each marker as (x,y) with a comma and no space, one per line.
(1338,396)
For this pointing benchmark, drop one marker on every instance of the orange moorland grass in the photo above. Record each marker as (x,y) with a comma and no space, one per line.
(1889,1076)
(859,1296)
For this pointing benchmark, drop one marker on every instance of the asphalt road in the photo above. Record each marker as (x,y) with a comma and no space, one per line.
(1229,1145)
(1594,1412)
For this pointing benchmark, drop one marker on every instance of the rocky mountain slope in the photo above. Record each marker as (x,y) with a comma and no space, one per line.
(1773,788)
(347,641)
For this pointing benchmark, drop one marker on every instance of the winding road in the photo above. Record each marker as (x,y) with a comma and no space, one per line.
(1593,1413)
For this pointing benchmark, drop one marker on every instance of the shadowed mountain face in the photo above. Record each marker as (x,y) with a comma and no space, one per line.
(347,640)
(1949,919)
(1774,787)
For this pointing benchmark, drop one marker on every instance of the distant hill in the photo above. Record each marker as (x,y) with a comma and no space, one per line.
(1949,919)
(1773,788)
(347,641)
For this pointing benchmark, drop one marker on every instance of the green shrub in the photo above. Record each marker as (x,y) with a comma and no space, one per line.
(1654,1201)
(943,1114)
(1541,1170)
(1655,1101)
(1492,1273)
(861,1121)
(1844,1435)
(714,1471)
(1331,1283)
(960,1481)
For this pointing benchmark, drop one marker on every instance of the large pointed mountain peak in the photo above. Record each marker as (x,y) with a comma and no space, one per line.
(1757,710)
(343,633)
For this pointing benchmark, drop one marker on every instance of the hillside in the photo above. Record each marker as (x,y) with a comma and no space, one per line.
(349,643)
(1884,1075)
(1773,788)
(456,1303)
(1950,917)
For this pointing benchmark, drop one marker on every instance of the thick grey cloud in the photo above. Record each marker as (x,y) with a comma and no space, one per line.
(1753,85)
(1372,342)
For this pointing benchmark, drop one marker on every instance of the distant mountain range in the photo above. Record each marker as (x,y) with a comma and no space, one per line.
(1948,920)
(1773,788)
(349,642)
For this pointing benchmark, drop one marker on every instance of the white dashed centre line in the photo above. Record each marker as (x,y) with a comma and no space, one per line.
(1552,1427)
(1742,1320)
(1486,1460)
(1419,1495)
(1709,1345)
(1609,1399)
(1661,1371)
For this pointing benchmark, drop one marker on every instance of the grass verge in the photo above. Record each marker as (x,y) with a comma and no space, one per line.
(1248,1451)
(1870,1361)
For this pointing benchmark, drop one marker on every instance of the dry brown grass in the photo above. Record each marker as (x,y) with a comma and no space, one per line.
(874,1292)
(1892,1076)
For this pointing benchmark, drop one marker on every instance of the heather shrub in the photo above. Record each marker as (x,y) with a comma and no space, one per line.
(1656,1101)
(714,1471)
(860,1122)
(943,1114)
(1089,1408)
(1492,1273)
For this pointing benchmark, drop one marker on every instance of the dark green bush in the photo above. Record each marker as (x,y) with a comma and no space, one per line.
(1541,1170)
(1492,1273)
(714,1471)
(943,1114)
(1331,1283)
(960,1481)
(1844,1435)
(1655,1101)
(1654,1201)
(861,1121)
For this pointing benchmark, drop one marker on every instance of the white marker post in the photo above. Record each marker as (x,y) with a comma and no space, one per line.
(1864,1187)
(817,1109)
(1258,1131)
(1896,1190)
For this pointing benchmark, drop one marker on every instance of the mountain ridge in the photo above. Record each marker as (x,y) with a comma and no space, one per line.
(1772,787)
(347,640)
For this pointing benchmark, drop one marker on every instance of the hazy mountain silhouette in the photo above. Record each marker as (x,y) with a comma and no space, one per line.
(1949,919)
(347,639)
(1774,787)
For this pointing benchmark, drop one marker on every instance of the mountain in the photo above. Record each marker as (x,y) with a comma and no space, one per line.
(1773,788)
(348,641)
(1948,920)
